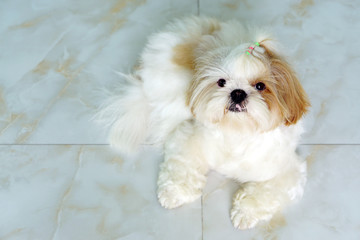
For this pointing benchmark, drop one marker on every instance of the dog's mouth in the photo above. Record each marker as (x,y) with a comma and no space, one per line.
(237,107)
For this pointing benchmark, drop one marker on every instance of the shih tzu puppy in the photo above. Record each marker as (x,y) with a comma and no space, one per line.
(216,96)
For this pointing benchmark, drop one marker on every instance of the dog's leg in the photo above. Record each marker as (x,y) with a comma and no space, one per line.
(179,183)
(182,174)
(259,201)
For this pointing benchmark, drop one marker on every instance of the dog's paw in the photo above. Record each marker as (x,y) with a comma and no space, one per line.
(242,219)
(247,212)
(173,196)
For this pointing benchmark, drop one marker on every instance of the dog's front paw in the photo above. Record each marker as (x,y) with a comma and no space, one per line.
(242,219)
(247,211)
(173,196)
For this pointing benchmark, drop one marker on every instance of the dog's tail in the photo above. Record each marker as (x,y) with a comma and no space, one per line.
(126,114)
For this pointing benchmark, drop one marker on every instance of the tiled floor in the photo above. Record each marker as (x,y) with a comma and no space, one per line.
(60,180)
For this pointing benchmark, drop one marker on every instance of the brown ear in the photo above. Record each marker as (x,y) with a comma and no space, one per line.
(292,99)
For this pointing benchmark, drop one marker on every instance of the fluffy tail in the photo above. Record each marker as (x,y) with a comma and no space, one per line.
(126,115)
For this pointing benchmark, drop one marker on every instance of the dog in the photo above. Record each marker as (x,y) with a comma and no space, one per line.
(215,96)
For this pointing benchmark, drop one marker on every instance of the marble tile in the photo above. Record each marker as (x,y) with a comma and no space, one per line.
(320,40)
(55,58)
(328,210)
(86,192)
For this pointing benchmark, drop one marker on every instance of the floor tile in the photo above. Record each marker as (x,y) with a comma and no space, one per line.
(86,192)
(318,37)
(328,210)
(56,57)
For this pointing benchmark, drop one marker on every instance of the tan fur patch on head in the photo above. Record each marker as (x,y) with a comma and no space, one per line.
(214,26)
(183,55)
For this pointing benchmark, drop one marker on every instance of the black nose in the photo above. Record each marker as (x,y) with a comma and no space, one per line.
(238,95)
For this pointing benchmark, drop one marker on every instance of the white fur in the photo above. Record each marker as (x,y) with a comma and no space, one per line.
(242,146)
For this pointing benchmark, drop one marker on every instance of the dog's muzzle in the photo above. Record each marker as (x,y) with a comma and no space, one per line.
(238,98)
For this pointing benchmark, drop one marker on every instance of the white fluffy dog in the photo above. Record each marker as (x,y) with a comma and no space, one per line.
(217,96)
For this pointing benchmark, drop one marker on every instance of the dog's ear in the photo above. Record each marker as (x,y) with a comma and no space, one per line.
(291,98)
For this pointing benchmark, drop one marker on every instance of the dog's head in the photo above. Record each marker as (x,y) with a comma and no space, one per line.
(250,85)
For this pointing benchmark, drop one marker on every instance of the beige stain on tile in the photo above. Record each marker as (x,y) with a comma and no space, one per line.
(105,189)
(25,163)
(42,68)
(315,153)
(64,69)
(118,13)
(298,11)
(27,130)
(12,234)
(124,189)
(234,5)
(30,23)
(10,119)
(117,162)
(81,208)
(101,226)
(4,182)
(117,24)
(59,209)
(13,118)
(121,4)
(131,201)
(302,7)
(119,191)
(311,158)
(323,111)
(62,149)
(2,103)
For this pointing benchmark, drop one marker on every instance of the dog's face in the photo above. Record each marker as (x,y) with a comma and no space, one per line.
(253,91)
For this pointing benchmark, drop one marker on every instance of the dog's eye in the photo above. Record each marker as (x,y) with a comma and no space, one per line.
(260,86)
(221,82)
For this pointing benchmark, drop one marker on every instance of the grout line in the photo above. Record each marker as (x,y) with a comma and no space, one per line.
(330,144)
(202,217)
(106,144)
(198,8)
(54,144)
